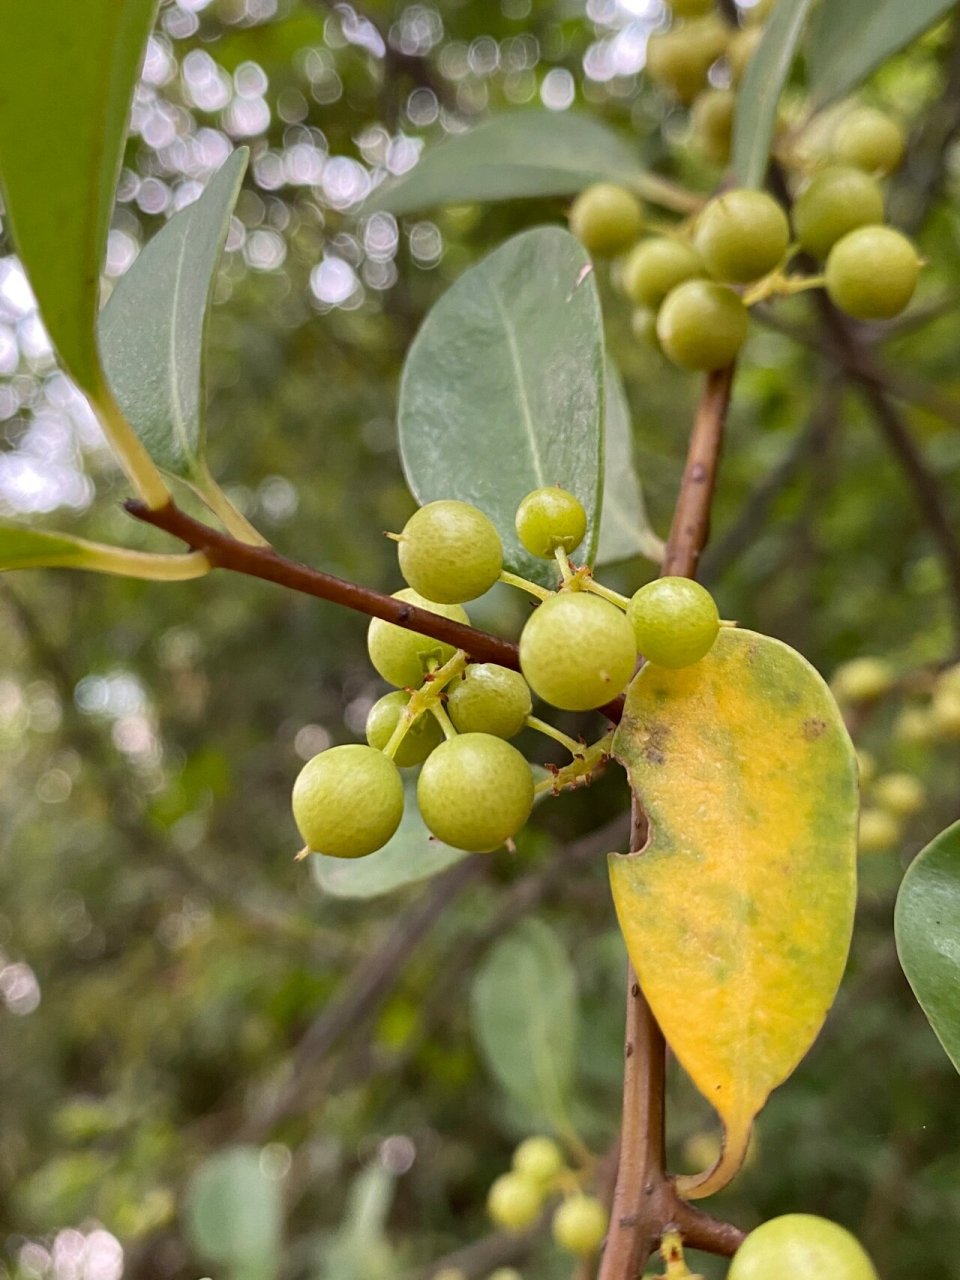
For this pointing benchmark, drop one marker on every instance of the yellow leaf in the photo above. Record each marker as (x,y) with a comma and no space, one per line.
(737,915)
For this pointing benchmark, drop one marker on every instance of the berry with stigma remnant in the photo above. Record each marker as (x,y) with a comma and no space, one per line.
(580,1224)
(475,792)
(869,140)
(550,518)
(403,657)
(420,739)
(514,1202)
(675,621)
(539,1158)
(658,265)
(799,1246)
(872,272)
(489,699)
(450,552)
(606,219)
(702,325)
(742,235)
(348,801)
(577,651)
(838,199)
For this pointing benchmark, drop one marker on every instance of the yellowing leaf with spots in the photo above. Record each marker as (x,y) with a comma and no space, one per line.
(737,915)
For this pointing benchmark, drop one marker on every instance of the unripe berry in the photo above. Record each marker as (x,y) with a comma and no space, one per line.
(539,1158)
(869,140)
(702,325)
(799,1246)
(862,680)
(902,794)
(475,792)
(690,8)
(549,518)
(403,657)
(450,551)
(678,60)
(658,265)
(643,326)
(514,1202)
(756,14)
(420,739)
(742,47)
(489,699)
(577,651)
(505,1273)
(606,219)
(879,831)
(742,235)
(915,726)
(580,1224)
(675,621)
(348,801)
(872,272)
(711,123)
(945,713)
(838,199)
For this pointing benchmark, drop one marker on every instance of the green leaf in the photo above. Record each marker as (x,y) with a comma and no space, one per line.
(523,1008)
(849,38)
(67,75)
(152,328)
(525,153)
(25,548)
(410,856)
(624,527)
(757,99)
(234,1214)
(502,389)
(927,926)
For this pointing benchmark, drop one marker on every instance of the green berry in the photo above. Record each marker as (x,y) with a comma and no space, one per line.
(580,1224)
(658,265)
(711,123)
(869,140)
(838,199)
(902,794)
(539,1158)
(690,8)
(675,621)
(742,235)
(945,714)
(577,651)
(872,272)
(756,14)
(549,518)
(420,739)
(504,1273)
(348,801)
(678,60)
(799,1246)
(702,325)
(489,699)
(742,47)
(450,552)
(475,792)
(879,831)
(915,726)
(403,657)
(514,1202)
(862,679)
(643,326)
(606,219)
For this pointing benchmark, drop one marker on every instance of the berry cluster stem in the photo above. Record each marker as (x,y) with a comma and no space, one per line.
(575,748)
(524,584)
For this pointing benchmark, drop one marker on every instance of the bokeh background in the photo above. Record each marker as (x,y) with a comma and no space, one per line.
(171,984)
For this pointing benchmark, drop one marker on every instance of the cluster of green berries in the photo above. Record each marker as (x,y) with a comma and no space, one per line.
(453,718)
(517,1199)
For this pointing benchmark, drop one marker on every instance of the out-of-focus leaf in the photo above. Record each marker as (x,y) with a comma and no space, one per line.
(525,153)
(624,528)
(25,548)
(849,38)
(152,328)
(502,389)
(757,99)
(928,935)
(738,913)
(360,1249)
(523,1008)
(233,1214)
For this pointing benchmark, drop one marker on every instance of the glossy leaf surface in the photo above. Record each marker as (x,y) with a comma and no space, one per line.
(738,914)
(624,527)
(928,935)
(502,389)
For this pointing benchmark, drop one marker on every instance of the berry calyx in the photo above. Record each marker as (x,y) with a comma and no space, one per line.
(580,1224)
(838,199)
(742,235)
(549,518)
(577,651)
(514,1201)
(872,272)
(348,801)
(450,551)
(404,657)
(869,140)
(475,792)
(702,325)
(539,1158)
(420,739)
(675,621)
(799,1246)
(489,699)
(658,265)
(606,219)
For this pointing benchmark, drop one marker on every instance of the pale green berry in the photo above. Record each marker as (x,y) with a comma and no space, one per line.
(505,1273)
(606,219)
(754,15)
(945,713)
(514,1202)
(419,740)
(404,657)
(550,518)
(702,325)
(675,621)
(577,651)
(348,801)
(862,679)
(580,1224)
(450,552)
(539,1158)
(711,123)
(869,140)
(915,726)
(679,59)
(643,326)
(838,199)
(879,830)
(658,265)
(742,235)
(902,794)
(489,699)
(799,1246)
(690,8)
(475,792)
(872,272)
